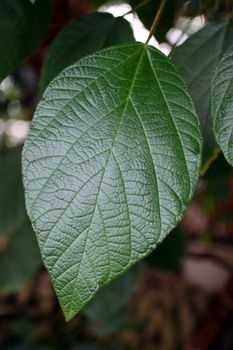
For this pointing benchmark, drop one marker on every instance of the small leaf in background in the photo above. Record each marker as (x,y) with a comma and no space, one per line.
(81,37)
(106,310)
(110,164)
(22,27)
(197,59)
(12,208)
(20,259)
(222,104)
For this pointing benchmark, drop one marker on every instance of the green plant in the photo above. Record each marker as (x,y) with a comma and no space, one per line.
(114,150)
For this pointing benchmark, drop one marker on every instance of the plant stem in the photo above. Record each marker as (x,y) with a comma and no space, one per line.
(156,20)
(137,7)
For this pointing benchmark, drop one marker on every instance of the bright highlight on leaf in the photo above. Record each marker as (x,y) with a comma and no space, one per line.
(222,104)
(110,164)
(81,37)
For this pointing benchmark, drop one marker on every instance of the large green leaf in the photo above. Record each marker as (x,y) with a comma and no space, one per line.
(22,27)
(110,164)
(197,59)
(81,37)
(222,104)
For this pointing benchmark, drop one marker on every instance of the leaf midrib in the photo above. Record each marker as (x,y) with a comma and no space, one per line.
(101,180)
(172,119)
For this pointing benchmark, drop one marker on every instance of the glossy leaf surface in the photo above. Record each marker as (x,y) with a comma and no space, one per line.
(110,164)
(222,104)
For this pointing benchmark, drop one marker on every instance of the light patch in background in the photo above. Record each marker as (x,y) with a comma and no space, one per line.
(184,27)
(14,130)
(6,84)
(17,130)
(175,36)
(191,25)
(140,32)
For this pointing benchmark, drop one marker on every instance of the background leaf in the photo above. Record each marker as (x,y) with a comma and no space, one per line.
(20,260)
(106,310)
(110,164)
(222,104)
(81,37)
(169,253)
(24,26)
(197,59)
(12,208)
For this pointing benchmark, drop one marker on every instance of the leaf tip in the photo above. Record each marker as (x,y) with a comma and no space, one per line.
(69,314)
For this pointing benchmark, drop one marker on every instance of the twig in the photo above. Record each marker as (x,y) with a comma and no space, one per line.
(137,7)
(156,20)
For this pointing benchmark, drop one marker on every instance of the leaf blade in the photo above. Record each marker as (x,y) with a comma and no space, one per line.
(108,210)
(221,99)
